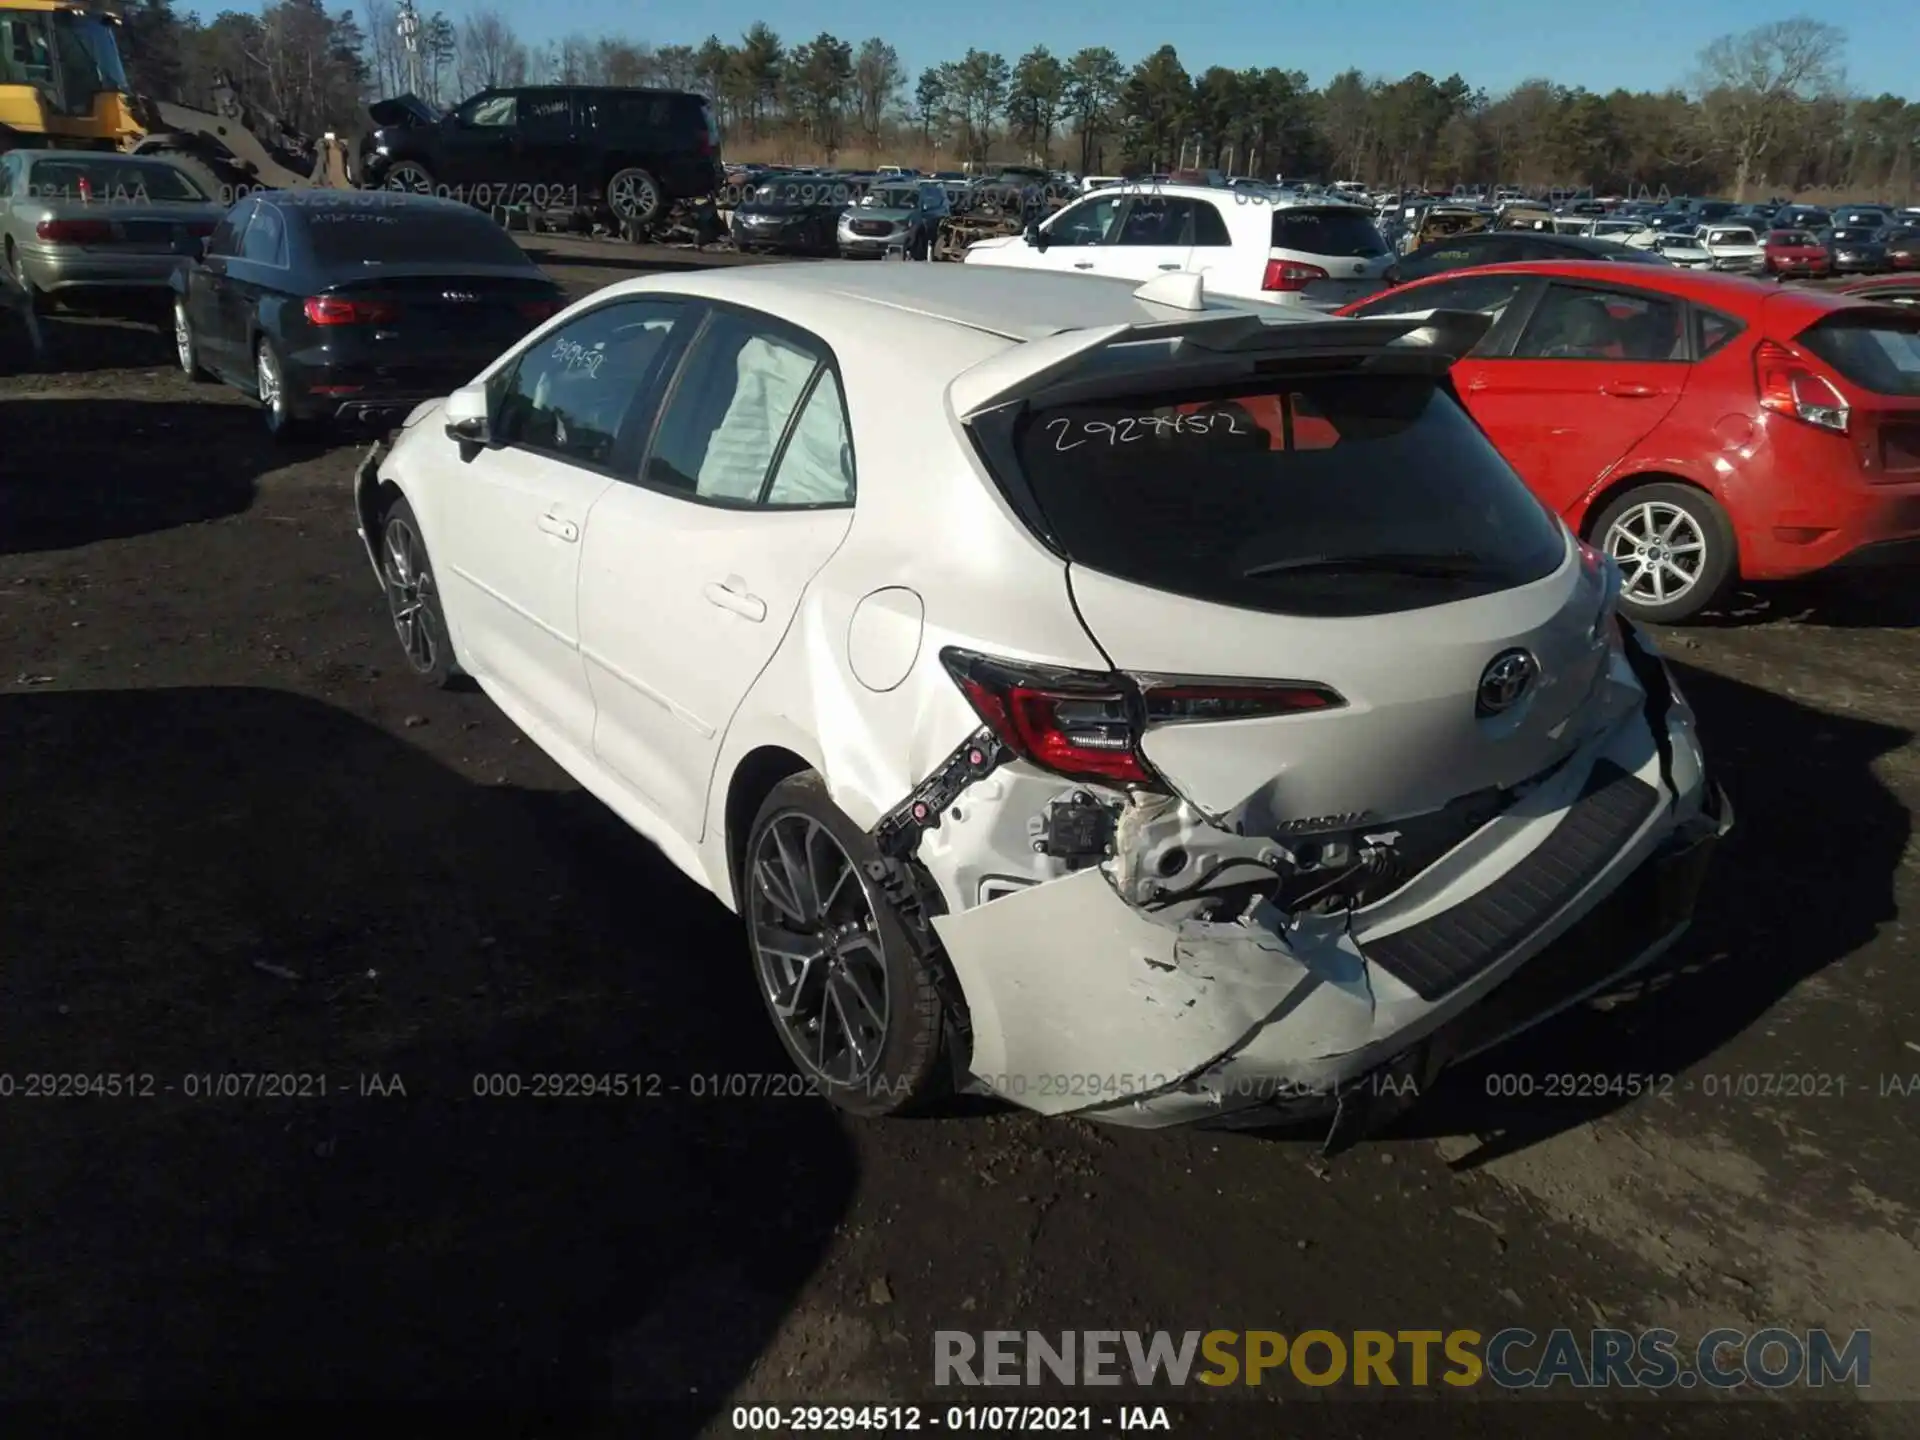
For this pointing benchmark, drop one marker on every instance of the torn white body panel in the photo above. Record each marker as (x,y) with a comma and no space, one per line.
(1084,1003)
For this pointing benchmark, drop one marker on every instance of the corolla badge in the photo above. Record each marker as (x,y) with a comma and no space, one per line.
(1505,682)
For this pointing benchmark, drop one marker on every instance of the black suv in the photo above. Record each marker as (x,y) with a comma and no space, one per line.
(550,147)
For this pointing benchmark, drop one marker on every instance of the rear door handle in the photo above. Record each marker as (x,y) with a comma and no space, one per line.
(560,527)
(1627,390)
(1171,265)
(1083,264)
(733,596)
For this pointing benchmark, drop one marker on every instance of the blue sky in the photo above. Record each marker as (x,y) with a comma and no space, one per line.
(1495,43)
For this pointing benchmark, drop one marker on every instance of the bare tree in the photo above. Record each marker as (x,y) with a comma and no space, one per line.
(386,55)
(490,54)
(1753,85)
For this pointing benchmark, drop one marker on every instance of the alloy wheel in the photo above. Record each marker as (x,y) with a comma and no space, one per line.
(409,593)
(409,177)
(632,195)
(1661,552)
(267,380)
(817,949)
(183,338)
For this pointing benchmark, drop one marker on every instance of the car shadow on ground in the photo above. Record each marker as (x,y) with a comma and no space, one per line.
(73,471)
(59,342)
(208,884)
(1867,599)
(1804,880)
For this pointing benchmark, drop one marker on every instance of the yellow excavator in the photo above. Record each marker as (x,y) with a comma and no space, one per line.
(62,86)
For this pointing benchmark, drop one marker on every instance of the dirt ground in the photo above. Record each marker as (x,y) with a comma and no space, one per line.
(236,838)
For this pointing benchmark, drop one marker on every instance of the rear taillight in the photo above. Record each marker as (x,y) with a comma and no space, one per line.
(1788,386)
(1290,275)
(337,310)
(74,232)
(539,309)
(1088,725)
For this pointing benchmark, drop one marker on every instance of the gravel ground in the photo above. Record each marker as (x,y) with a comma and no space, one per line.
(236,838)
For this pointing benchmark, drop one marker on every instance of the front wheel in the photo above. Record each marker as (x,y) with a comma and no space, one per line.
(855,1003)
(186,348)
(410,176)
(1675,548)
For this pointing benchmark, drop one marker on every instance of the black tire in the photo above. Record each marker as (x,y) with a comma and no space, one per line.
(284,422)
(909,1068)
(219,185)
(1718,567)
(421,630)
(186,348)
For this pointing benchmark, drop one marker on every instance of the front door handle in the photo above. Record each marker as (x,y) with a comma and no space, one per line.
(560,527)
(1083,264)
(1627,390)
(733,596)
(1171,265)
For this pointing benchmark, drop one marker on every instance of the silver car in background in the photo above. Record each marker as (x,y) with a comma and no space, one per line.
(76,225)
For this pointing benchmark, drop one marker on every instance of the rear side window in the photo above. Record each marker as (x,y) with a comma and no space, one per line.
(360,234)
(1347,234)
(1876,352)
(1713,330)
(1323,495)
(1209,228)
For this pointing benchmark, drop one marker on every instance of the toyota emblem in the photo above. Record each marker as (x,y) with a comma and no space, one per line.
(1505,682)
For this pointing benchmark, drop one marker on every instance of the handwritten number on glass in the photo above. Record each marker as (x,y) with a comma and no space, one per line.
(579,359)
(1127,429)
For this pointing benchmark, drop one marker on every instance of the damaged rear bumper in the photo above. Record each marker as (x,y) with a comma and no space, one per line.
(1082,1004)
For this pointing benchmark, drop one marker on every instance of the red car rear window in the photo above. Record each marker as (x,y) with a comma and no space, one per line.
(1876,351)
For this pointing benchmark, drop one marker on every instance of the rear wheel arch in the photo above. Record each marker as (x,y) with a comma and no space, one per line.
(754,777)
(1614,486)
(1711,520)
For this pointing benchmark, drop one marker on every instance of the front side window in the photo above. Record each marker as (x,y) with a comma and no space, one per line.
(1575,324)
(736,392)
(545,115)
(1087,223)
(1318,495)
(573,389)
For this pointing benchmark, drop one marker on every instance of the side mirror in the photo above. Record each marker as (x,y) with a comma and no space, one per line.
(1036,237)
(469,417)
(1391,275)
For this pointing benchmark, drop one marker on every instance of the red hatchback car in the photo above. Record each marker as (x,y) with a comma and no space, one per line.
(1699,428)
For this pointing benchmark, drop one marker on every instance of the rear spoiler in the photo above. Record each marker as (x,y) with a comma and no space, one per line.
(1020,372)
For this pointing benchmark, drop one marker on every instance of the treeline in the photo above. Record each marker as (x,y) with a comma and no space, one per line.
(1764,111)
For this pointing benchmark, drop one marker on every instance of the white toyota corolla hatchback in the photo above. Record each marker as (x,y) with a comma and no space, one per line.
(1119,702)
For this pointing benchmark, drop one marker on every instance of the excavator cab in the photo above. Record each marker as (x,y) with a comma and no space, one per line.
(61,80)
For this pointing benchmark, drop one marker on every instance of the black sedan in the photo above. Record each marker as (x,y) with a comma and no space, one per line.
(353,305)
(1488,247)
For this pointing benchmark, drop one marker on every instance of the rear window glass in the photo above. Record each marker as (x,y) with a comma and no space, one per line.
(1731,237)
(1343,233)
(356,234)
(110,182)
(1790,237)
(1323,495)
(1875,352)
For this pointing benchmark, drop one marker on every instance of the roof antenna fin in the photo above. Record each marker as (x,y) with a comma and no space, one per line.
(1177,290)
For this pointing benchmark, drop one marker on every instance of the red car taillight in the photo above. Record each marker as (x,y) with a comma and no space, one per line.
(1290,275)
(1088,726)
(74,232)
(337,310)
(1789,387)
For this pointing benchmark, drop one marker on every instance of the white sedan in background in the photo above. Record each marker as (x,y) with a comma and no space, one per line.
(1247,244)
(1088,694)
